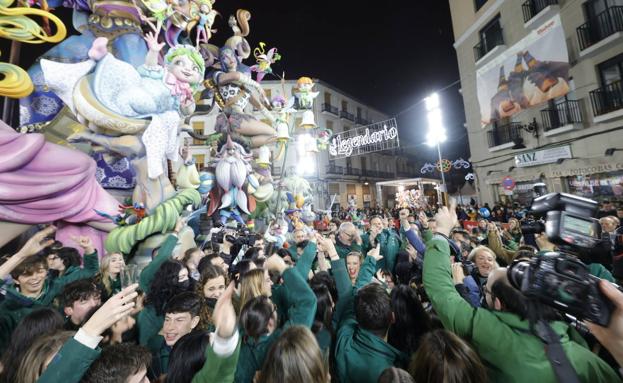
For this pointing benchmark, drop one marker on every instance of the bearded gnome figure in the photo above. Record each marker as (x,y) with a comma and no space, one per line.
(234,174)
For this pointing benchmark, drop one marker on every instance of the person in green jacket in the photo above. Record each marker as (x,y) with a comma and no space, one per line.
(32,287)
(181,316)
(151,318)
(502,336)
(258,318)
(77,354)
(386,238)
(361,350)
(348,240)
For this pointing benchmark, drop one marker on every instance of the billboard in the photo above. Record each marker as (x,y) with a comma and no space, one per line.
(531,72)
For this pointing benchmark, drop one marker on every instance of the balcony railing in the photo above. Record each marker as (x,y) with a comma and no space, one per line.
(564,113)
(504,134)
(601,26)
(607,99)
(532,8)
(330,109)
(346,115)
(334,169)
(487,45)
(362,121)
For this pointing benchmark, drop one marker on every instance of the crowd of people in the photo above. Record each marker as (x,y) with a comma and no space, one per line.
(395,296)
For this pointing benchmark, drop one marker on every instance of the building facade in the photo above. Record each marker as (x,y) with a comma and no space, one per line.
(352,178)
(573,143)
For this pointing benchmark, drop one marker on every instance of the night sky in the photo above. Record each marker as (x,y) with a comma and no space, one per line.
(388,55)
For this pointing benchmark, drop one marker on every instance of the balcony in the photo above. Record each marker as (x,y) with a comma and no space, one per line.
(328,108)
(484,47)
(532,8)
(503,136)
(334,169)
(362,121)
(347,116)
(353,171)
(601,29)
(562,116)
(607,99)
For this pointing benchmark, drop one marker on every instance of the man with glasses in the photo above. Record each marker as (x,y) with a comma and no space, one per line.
(347,239)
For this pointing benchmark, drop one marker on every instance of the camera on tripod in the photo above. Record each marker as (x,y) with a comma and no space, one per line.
(560,279)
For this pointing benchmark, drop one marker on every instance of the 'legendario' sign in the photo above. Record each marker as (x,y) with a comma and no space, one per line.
(366,139)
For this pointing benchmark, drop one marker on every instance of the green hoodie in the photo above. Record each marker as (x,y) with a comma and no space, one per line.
(16,306)
(149,322)
(502,339)
(301,303)
(360,356)
(390,245)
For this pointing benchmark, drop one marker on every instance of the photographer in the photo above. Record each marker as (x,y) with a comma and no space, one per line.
(502,336)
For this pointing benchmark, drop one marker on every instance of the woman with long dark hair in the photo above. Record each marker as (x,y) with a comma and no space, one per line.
(187,357)
(412,321)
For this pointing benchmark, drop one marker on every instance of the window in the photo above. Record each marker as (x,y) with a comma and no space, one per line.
(363,164)
(595,7)
(327,98)
(269,93)
(491,32)
(345,105)
(199,160)
(478,4)
(198,129)
(358,112)
(611,71)
(490,37)
(349,163)
(329,125)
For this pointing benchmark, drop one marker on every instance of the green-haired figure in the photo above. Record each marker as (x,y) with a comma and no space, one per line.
(161,94)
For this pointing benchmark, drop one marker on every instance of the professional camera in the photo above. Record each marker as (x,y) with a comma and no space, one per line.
(563,283)
(559,279)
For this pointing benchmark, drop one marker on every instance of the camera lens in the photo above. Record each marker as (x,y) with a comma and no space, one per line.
(516,273)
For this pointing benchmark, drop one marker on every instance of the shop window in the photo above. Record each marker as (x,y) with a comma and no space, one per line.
(600,186)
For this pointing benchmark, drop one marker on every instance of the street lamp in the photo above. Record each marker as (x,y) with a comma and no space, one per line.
(436,131)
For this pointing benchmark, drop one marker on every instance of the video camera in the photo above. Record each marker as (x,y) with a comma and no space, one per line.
(559,279)
(240,236)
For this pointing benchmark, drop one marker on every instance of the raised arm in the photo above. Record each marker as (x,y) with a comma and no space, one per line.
(78,353)
(164,253)
(35,244)
(455,313)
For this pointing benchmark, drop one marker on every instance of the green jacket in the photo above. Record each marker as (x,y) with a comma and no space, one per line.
(301,303)
(160,353)
(502,339)
(16,306)
(343,250)
(390,246)
(217,369)
(70,363)
(360,356)
(149,322)
(303,267)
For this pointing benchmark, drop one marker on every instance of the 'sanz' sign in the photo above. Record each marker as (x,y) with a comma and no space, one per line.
(367,139)
(540,157)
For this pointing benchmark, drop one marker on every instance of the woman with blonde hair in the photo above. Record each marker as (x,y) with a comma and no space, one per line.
(294,357)
(39,355)
(111,267)
(254,283)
